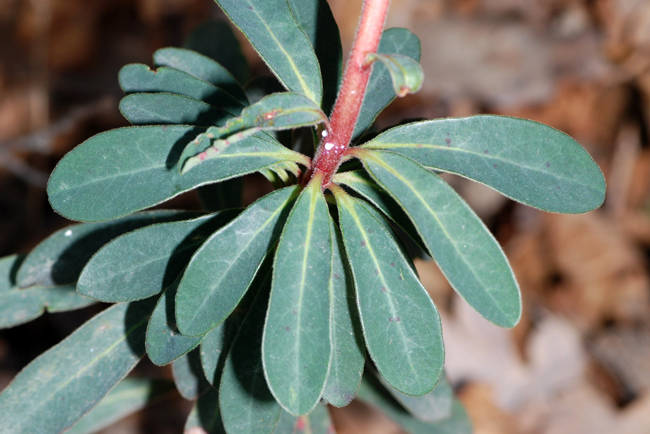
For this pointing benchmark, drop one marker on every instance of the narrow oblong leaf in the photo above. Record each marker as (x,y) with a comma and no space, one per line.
(223,268)
(349,355)
(188,375)
(65,382)
(246,403)
(164,343)
(527,161)
(457,423)
(316,422)
(273,32)
(129,396)
(128,169)
(138,78)
(297,348)
(432,407)
(379,92)
(205,417)
(406,74)
(315,18)
(400,323)
(201,67)
(168,108)
(467,253)
(278,111)
(59,259)
(144,262)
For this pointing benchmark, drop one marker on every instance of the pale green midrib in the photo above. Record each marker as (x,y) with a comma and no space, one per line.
(78,373)
(451,150)
(350,206)
(416,193)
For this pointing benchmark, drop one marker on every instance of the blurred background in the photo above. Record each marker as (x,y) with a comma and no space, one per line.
(579,361)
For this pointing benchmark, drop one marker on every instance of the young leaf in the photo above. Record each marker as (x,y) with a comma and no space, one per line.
(205,417)
(201,67)
(168,108)
(349,355)
(315,18)
(65,382)
(216,40)
(138,78)
(273,32)
(278,111)
(164,343)
(454,235)
(221,271)
(316,422)
(432,407)
(527,161)
(144,262)
(188,375)
(405,73)
(128,169)
(59,259)
(297,348)
(246,403)
(400,323)
(129,396)
(380,91)
(457,423)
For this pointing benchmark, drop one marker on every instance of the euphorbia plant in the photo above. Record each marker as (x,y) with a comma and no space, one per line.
(266,312)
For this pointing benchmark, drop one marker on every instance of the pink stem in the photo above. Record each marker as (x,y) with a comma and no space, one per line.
(336,141)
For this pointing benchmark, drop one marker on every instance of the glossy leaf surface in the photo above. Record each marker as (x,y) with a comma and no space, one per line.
(128,397)
(128,169)
(60,258)
(188,375)
(138,78)
(221,271)
(144,262)
(272,30)
(380,90)
(169,109)
(527,161)
(467,253)
(201,67)
(401,325)
(432,407)
(349,355)
(406,74)
(245,400)
(66,381)
(316,422)
(297,347)
(205,417)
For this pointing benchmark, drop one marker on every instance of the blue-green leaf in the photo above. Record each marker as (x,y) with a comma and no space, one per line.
(188,375)
(406,74)
(205,417)
(316,422)
(169,108)
(432,407)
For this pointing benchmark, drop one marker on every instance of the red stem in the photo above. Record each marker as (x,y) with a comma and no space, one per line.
(335,143)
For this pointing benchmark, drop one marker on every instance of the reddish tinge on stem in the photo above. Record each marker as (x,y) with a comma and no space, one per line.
(336,140)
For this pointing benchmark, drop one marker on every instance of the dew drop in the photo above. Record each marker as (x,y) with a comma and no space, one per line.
(324,133)
(329,146)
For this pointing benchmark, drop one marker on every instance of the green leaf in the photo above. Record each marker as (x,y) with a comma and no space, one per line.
(128,169)
(188,375)
(380,92)
(59,259)
(315,18)
(316,422)
(465,250)
(65,382)
(349,355)
(216,40)
(273,32)
(527,161)
(137,78)
(457,423)
(201,67)
(144,262)
(129,396)
(164,343)
(246,403)
(297,348)
(168,108)
(400,323)
(223,268)
(278,111)
(406,74)
(432,407)
(205,417)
